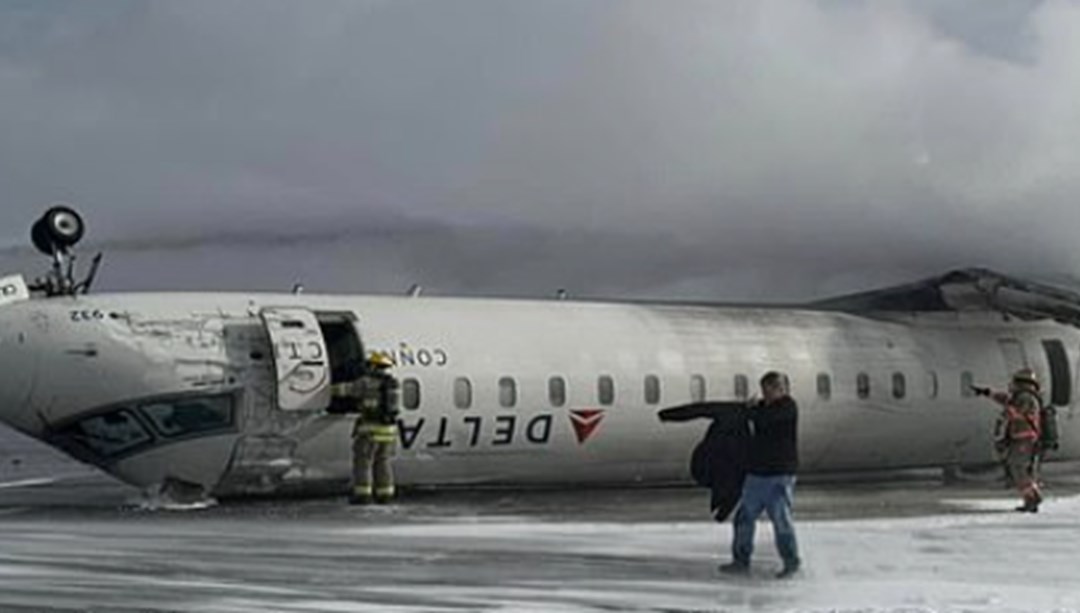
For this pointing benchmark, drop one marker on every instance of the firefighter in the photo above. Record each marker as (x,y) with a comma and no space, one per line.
(1016,437)
(375,432)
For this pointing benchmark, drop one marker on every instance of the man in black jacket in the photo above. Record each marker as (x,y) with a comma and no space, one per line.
(770,479)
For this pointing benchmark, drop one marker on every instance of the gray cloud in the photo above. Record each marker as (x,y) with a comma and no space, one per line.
(614,147)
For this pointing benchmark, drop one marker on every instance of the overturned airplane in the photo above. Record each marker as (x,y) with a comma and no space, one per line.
(227,393)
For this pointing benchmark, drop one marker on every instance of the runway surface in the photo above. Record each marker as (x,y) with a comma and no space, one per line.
(72,539)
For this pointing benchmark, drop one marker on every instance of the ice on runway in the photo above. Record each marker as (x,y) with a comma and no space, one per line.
(72,539)
(445,554)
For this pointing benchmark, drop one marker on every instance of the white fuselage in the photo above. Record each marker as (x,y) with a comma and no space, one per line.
(101,376)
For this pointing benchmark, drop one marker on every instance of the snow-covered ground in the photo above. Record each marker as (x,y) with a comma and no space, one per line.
(72,543)
(285,558)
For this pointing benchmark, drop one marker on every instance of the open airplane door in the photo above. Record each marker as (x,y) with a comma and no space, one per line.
(300,358)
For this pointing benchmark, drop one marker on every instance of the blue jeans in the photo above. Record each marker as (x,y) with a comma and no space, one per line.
(773,495)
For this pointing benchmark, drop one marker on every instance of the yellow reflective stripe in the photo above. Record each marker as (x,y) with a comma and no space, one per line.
(361,490)
(385,491)
(378,434)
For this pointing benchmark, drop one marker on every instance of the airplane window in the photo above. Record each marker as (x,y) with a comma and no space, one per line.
(742,387)
(862,385)
(190,415)
(697,388)
(824,386)
(931,384)
(899,385)
(652,389)
(462,393)
(410,394)
(606,390)
(110,434)
(966,381)
(507,392)
(557,391)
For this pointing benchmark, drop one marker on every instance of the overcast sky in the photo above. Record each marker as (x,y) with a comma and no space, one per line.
(691,149)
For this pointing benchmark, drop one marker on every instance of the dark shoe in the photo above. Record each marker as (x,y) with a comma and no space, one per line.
(1031,504)
(735,568)
(384,499)
(789,570)
(354,499)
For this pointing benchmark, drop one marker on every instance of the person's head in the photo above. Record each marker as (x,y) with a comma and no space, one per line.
(773,386)
(379,362)
(1025,379)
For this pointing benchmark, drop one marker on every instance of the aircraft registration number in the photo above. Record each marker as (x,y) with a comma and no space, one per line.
(81,316)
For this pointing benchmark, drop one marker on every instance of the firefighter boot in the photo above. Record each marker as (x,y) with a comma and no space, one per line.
(1031,503)
(360,495)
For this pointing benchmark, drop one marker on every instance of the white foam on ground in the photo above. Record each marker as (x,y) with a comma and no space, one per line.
(159,502)
(1001,562)
(978,562)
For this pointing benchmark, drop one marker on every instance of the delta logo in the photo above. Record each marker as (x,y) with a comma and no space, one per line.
(585,422)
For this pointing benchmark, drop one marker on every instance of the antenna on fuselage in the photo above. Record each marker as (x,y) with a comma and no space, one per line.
(415,290)
(55,234)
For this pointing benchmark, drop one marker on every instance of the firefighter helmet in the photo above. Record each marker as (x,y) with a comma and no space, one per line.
(1026,376)
(380,360)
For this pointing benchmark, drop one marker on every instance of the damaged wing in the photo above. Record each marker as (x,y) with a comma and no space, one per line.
(969,289)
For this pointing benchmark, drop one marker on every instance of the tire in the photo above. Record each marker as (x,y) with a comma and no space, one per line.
(60,227)
(40,237)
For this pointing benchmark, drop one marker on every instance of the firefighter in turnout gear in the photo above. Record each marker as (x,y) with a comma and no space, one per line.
(1017,434)
(375,431)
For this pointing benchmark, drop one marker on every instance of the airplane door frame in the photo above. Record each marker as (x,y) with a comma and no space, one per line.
(1058,371)
(336,325)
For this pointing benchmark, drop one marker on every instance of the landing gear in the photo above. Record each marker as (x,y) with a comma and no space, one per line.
(55,234)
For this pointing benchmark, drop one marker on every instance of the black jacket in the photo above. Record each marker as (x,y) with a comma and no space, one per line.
(774,438)
(719,460)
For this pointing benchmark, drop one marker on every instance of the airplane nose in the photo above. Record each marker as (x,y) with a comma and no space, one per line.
(18,363)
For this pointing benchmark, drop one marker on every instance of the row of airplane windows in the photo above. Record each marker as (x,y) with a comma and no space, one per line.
(605,389)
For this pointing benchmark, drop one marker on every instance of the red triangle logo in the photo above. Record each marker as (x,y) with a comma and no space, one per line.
(585,423)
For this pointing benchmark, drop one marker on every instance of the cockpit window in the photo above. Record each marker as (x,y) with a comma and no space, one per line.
(109,434)
(184,416)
